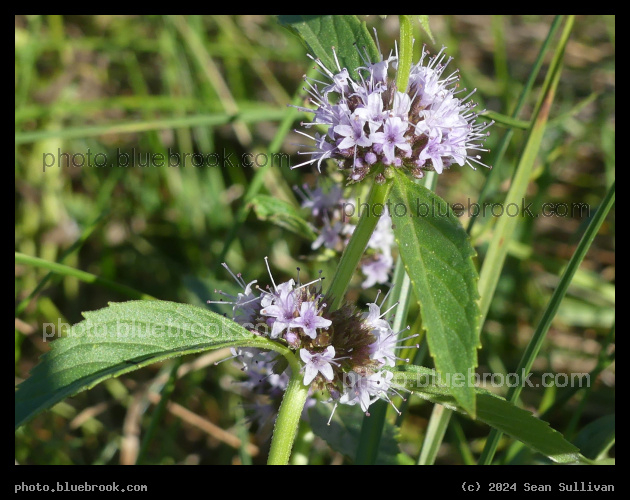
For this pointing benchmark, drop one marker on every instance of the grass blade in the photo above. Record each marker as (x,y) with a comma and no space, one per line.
(440,418)
(54,267)
(535,343)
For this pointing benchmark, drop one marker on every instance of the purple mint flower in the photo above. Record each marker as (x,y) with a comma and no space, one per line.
(374,318)
(377,270)
(382,239)
(281,306)
(292,338)
(370,158)
(318,363)
(247,302)
(401,106)
(392,137)
(434,150)
(378,71)
(329,235)
(372,113)
(383,349)
(323,151)
(309,319)
(365,390)
(358,391)
(386,343)
(371,119)
(320,202)
(340,83)
(353,134)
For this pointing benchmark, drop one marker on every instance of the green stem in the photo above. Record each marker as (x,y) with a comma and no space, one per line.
(358,242)
(288,420)
(295,396)
(371,432)
(461,442)
(406,53)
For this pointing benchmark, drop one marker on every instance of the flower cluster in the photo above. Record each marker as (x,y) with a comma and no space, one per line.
(344,352)
(370,121)
(263,386)
(334,231)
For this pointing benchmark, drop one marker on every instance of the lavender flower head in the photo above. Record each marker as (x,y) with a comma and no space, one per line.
(327,217)
(345,352)
(423,127)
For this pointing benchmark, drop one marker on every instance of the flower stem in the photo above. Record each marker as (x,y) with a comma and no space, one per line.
(288,420)
(358,242)
(406,53)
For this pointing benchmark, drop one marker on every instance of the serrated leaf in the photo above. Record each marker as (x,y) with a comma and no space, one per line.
(494,411)
(321,33)
(345,429)
(281,213)
(118,339)
(438,257)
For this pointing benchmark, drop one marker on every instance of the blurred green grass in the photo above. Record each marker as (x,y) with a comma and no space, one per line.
(161,230)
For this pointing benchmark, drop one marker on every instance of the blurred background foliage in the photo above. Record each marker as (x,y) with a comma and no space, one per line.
(219,84)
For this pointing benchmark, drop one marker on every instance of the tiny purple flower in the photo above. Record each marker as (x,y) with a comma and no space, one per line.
(358,391)
(377,270)
(402,105)
(374,319)
(433,151)
(281,306)
(383,349)
(318,363)
(309,320)
(353,134)
(329,235)
(372,113)
(392,137)
(320,202)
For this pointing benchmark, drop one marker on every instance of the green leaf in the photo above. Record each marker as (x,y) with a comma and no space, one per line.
(322,33)
(345,429)
(438,258)
(424,22)
(494,411)
(121,338)
(596,438)
(280,212)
